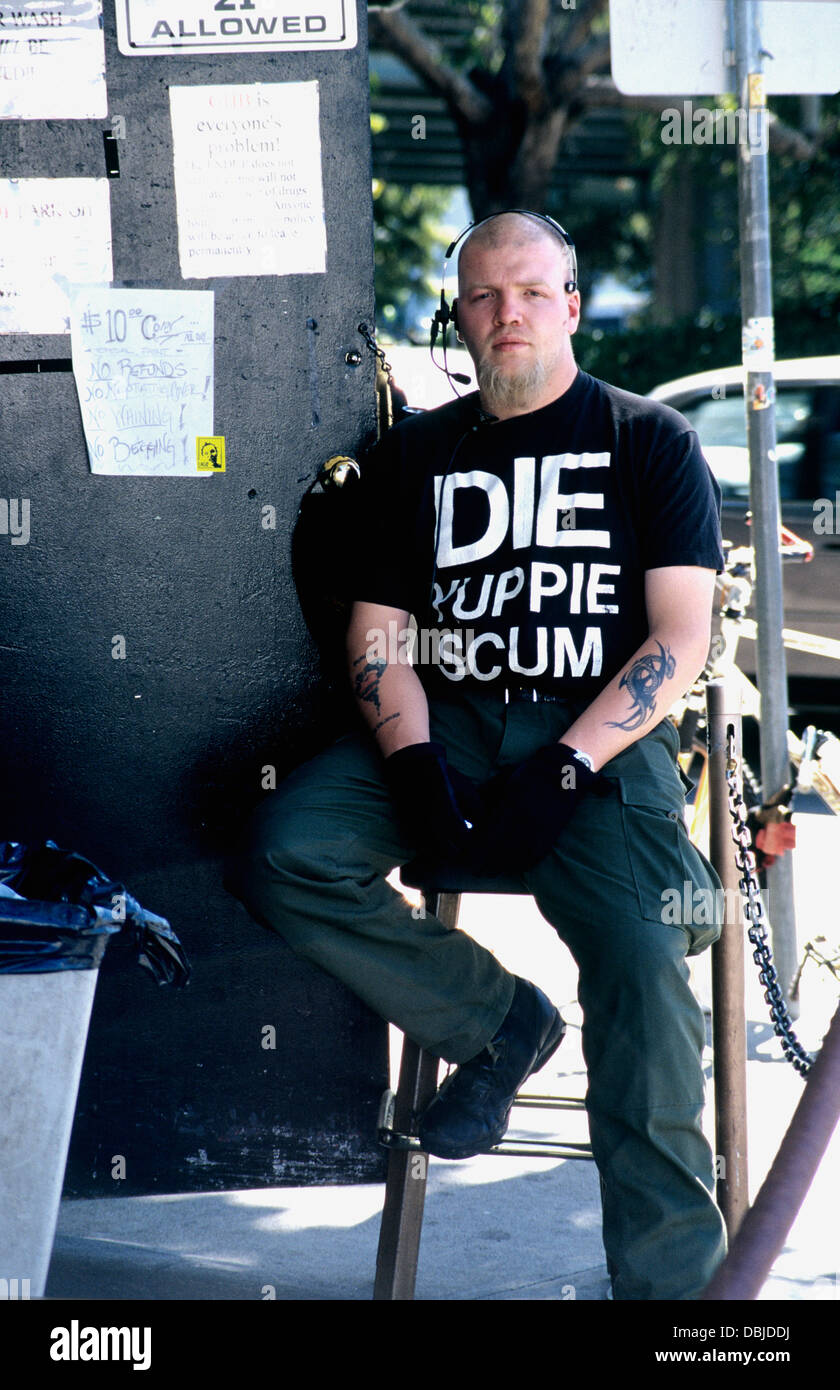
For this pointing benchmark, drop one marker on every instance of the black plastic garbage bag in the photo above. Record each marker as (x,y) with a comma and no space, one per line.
(66,912)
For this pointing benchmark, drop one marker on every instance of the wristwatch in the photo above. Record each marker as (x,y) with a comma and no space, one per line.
(583,758)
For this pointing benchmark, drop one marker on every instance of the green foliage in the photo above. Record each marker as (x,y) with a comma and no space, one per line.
(614,225)
(408,248)
(486,45)
(639,358)
(804,199)
(805,237)
(805,202)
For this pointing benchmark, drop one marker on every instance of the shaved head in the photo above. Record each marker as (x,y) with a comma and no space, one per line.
(514,230)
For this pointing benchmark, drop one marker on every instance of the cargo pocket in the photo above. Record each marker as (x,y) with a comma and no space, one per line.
(674,882)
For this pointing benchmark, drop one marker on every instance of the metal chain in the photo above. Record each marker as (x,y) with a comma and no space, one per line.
(372,346)
(754,912)
(384,383)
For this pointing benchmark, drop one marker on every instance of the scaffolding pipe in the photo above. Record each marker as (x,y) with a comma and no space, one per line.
(766,1224)
(729,1030)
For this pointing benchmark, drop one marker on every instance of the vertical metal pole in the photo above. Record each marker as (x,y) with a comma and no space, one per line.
(728,1009)
(757,350)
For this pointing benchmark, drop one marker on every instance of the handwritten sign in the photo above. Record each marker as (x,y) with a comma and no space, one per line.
(52,60)
(143,363)
(51,231)
(248,179)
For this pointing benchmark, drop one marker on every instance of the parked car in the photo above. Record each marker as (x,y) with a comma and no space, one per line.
(808,452)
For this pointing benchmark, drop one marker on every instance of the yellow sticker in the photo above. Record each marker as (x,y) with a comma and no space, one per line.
(756,89)
(210,453)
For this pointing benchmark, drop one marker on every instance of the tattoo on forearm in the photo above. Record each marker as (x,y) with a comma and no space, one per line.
(386,720)
(367,681)
(642,682)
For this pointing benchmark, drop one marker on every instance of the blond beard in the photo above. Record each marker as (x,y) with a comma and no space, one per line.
(503,390)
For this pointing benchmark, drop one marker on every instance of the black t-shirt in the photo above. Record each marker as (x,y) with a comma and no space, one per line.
(543,527)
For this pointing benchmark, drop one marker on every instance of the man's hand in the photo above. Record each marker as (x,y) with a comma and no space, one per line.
(433,801)
(772,840)
(531,804)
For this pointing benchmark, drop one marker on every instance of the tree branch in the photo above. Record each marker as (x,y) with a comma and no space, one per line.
(529,28)
(581,29)
(398,33)
(602,91)
(597,56)
(785,140)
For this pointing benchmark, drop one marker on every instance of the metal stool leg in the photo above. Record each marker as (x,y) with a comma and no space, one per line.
(405,1186)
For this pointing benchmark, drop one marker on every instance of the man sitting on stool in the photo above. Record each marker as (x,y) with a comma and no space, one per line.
(556,540)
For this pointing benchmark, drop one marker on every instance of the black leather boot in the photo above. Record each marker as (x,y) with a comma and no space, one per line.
(471,1111)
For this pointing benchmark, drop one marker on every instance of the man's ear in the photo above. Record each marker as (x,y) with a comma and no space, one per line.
(454,314)
(573,302)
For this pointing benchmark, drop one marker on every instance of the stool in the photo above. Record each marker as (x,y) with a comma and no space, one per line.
(405,1186)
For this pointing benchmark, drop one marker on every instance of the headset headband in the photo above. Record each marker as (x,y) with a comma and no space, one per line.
(444,315)
(570,284)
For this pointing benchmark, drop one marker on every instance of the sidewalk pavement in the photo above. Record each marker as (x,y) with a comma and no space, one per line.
(495,1228)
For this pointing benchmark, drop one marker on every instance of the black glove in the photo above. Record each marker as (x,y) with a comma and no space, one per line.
(530,804)
(433,801)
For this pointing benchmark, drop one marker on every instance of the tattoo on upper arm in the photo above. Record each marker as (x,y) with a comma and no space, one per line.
(642,682)
(366,682)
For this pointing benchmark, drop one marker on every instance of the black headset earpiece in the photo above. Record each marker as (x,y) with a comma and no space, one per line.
(441,318)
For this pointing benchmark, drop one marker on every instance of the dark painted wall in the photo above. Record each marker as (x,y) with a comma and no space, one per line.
(147,765)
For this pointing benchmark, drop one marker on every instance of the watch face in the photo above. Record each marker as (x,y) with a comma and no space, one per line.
(585,759)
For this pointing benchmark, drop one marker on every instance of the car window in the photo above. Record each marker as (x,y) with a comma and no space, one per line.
(722,430)
(829,409)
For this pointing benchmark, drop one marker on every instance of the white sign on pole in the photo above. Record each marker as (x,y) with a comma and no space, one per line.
(248,184)
(676,47)
(52,60)
(242,26)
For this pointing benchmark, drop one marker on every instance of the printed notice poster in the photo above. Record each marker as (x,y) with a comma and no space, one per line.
(51,231)
(52,60)
(248,180)
(143,363)
(221,26)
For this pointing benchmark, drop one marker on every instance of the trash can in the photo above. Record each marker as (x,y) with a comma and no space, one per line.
(57,915)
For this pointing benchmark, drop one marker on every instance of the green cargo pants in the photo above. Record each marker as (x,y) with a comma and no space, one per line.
(313,864)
